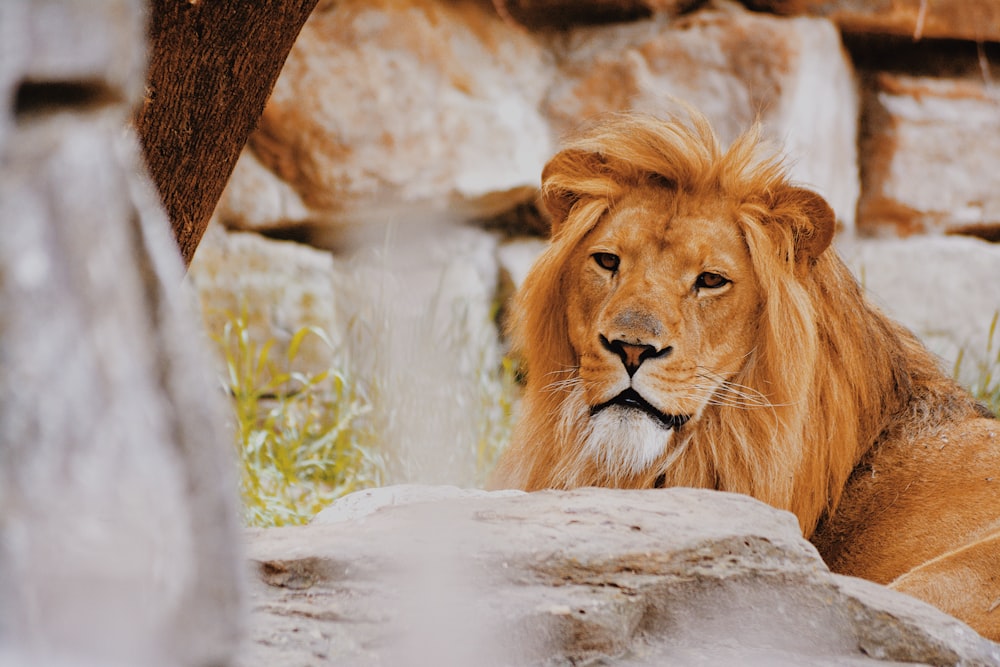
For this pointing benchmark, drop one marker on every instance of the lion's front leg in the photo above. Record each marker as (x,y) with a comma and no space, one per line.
(964,583)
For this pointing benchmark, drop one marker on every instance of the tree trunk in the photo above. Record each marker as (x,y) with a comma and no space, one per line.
(119,540)
(212,66)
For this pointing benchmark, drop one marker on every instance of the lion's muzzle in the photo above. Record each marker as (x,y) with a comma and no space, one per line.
(632,400)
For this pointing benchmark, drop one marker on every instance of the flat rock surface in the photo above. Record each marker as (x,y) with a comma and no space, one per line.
(585,577)
(404,110)
(930,147)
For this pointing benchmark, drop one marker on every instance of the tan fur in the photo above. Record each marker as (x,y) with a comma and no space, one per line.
(797,390)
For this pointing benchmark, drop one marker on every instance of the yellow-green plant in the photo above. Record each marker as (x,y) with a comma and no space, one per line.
(303,438)
(987,385)
(499,396)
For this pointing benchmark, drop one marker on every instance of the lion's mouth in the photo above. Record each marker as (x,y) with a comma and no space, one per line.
(630,398)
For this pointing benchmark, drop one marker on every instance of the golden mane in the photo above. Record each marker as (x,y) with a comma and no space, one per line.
(836,373)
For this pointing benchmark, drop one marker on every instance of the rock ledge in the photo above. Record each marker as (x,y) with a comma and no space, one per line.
(592,576)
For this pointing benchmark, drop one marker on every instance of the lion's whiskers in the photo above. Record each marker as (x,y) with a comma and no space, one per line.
(726,393)
(566,384)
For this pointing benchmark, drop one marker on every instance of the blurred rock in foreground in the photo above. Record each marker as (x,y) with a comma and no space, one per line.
(118,533)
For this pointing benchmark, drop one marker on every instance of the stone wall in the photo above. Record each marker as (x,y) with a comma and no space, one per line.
(396,124)
(408,110)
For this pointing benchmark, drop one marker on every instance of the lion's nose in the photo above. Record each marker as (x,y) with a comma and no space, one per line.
(633,354)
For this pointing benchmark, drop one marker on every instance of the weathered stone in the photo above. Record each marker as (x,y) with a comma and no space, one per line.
(977,20)
(563,13)
(118,535)
(76,43)
(360,504)
(408,110)
(929,155)
(256,199)
(594,576)
(736,67)
(942,288)
(277,289)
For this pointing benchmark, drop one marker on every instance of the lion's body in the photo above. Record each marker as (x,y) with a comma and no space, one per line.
(689,326)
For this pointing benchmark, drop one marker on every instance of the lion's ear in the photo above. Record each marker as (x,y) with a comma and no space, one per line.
(811,219)
(565,169)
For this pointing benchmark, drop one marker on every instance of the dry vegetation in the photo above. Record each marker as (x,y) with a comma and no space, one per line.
(305,439)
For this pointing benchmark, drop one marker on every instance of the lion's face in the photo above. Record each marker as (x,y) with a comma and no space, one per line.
(661,313)
(668,331)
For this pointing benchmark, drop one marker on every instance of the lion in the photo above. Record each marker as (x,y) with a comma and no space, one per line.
(690,324)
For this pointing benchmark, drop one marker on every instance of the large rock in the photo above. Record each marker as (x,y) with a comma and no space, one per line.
(407,110)
(736,67)
(118,519)
(929,151)
(256,198)
(361,504)
(941,288)
(977,20)
(427,110)
(595,576)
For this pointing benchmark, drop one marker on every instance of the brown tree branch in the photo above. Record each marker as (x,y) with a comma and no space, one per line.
(212,66)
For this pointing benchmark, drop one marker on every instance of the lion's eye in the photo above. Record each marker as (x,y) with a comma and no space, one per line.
(710,280)
(607,261)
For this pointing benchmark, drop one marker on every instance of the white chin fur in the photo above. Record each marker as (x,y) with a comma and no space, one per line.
(625,442)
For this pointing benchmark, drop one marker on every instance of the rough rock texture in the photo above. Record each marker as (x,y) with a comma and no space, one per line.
(450,111)
(941,288)
(408,109)
(118,539)
(977,20)
(678,576)
(930,147)
(735,66)
(361,504)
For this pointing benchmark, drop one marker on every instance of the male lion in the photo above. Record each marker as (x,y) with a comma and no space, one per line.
(689,325)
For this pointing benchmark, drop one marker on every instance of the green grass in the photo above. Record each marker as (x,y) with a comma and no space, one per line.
(303,439)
